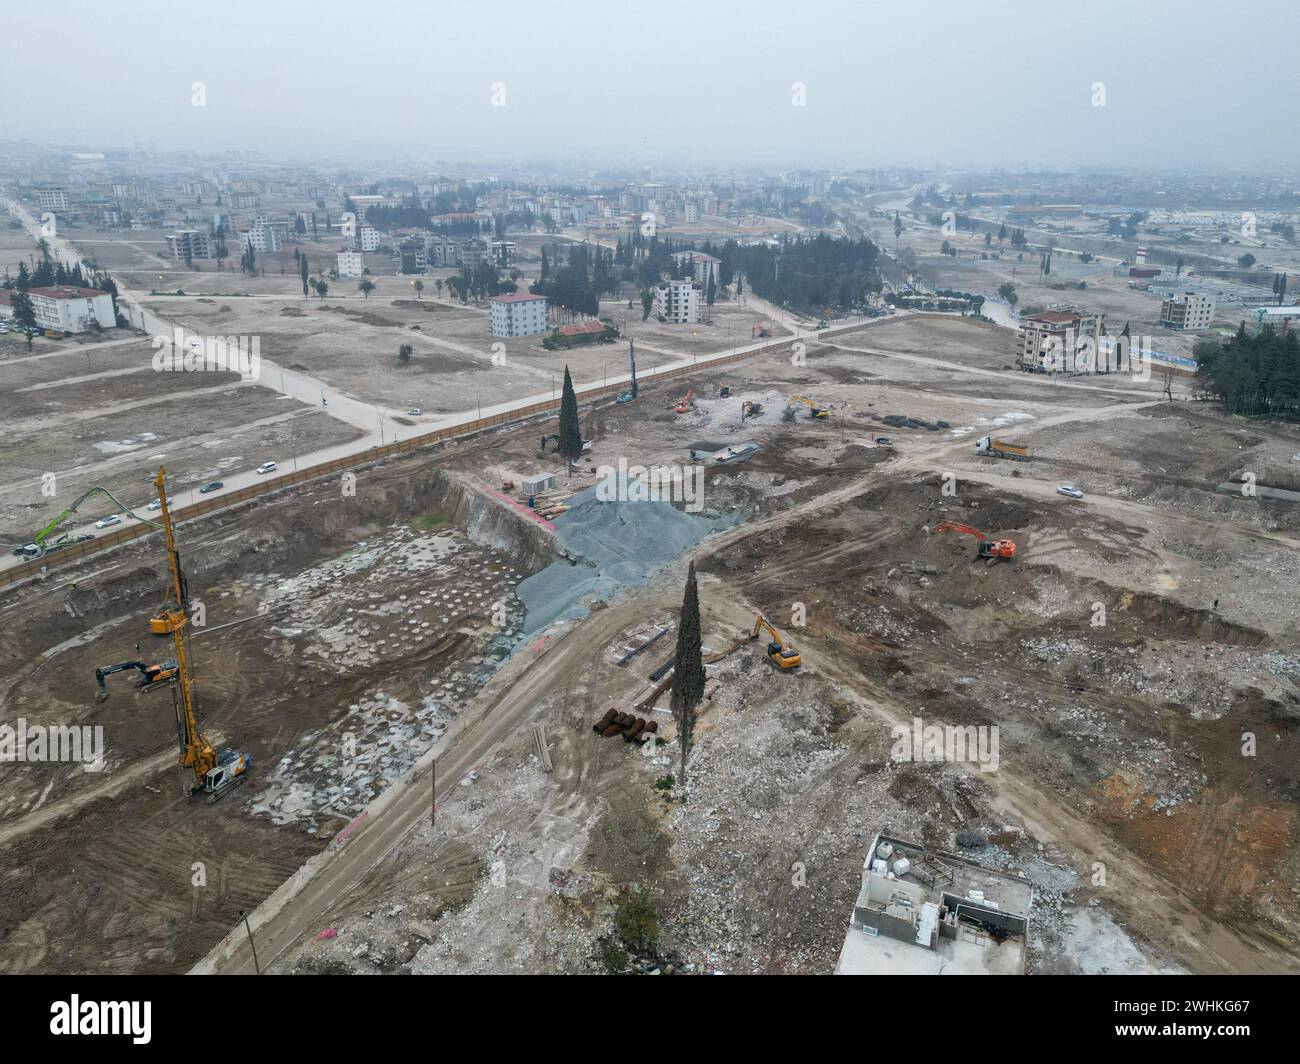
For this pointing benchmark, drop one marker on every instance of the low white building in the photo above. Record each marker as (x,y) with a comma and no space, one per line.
(678,302)
(518,314)
(1187,310)
(261,238)
(351,264)
(65,308)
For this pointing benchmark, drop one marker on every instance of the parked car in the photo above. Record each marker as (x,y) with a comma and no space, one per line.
(211,485)
(884,441)
(1066,489)
(156,504)
(415,411)
(108,522)
(266,467)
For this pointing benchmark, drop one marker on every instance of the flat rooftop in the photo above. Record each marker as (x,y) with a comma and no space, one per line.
(928,912)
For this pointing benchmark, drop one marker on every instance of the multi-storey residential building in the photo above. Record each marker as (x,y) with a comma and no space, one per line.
(53,199)
(261,238)
(518,314)
(366,238)
(411,256)
(702,266)
(503,253)
(187,245)
(678,302)
(1187,310)
(65,308)
(351,264)
(1060,341)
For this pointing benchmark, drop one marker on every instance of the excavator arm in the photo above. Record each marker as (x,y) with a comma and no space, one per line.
(151,676)
(781,655)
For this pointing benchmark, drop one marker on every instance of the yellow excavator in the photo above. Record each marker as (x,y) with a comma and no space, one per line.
(813,409)
(778,653)
(203,769)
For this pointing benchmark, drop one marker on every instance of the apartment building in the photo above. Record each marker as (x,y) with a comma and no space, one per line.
(411,256)
(351,264)
(366,238)
(703,266)
(518,314)
(678,302)
(65,308)
(261,238)
(53,199)
(1063,340)
(189,245)
(1187,310)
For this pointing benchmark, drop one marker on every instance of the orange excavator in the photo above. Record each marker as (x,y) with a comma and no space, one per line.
(989,549)
(684,407)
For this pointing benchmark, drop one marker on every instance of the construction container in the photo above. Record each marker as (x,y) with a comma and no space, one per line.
(538,484)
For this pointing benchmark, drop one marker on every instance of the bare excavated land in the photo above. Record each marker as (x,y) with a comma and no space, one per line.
(376,627)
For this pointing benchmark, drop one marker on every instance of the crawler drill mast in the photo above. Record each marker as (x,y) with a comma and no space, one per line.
(202,767)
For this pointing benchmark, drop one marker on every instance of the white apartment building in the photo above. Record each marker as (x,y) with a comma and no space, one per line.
(519,314)
(53,199)
(189,245)
(351,264)
(366,238)
(261,238)
(678,302)
(702,266)
(65,308)
(1187,310)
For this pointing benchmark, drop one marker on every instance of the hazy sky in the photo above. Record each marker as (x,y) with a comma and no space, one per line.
(980,83)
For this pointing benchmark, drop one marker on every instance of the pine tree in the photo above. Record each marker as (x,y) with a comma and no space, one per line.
(302,270)
(24,313)
(570,432)
(688,668)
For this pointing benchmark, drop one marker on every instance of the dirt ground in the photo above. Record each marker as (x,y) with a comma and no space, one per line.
(1121,727)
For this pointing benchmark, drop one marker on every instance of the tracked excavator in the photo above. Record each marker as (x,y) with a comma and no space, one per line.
(991,550)
(814,410)
(783,656)
(151,676)
(203,769)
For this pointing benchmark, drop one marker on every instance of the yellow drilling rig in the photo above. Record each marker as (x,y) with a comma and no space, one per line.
(203,769)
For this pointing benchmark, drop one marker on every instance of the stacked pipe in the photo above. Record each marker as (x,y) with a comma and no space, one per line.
(634,729)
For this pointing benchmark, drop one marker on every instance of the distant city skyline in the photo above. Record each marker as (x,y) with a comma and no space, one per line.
(836,84)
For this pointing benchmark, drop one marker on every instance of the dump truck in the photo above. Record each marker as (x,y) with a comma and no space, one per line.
(996,448)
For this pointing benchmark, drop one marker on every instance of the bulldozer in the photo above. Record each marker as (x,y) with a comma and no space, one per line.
(783,656)
(991,550)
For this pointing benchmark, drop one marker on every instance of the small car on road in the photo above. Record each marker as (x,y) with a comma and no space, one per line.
(1072,492)
(266,467)
(211,485)
(108,522)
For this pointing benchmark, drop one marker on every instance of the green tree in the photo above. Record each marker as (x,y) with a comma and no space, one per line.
(688,668)
(1008,292)
(302,270)
(647,303)
(24,314)
(366,287)
(1246,261)
(404,353)
(570,432)
(322,287)
(419,289)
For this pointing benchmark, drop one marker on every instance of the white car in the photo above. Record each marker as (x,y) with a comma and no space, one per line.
(1066,489)
(415,411)
(156,504)
(108,522)
(266,467)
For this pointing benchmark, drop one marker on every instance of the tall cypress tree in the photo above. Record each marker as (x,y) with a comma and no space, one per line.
(570,434)
(302,269)
(688,669)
